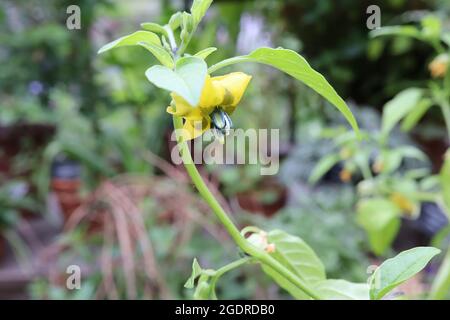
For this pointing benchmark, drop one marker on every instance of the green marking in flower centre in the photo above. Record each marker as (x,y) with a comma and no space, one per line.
(221,123)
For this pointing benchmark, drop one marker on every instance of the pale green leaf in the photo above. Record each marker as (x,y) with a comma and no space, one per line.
(380,240)
(414,116)
(160,53)
(391,160)
(398,108)
(196,271)
(431,27)
(205,52)
(405,31)
(297,256)
(323,166)
(132,40)
(412,152)
(199,8)
(445,37)
(187,80)
(397,270)
(154,27)
(296,66)
(332,289)
(175,20)
(380,219)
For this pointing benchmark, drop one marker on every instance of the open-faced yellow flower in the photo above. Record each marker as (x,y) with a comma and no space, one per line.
(219,98)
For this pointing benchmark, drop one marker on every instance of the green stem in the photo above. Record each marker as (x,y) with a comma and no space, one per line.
(171,38)
(225,220)
(227,62)
(220,272)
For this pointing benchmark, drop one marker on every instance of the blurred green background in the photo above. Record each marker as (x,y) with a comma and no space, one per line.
(85,148)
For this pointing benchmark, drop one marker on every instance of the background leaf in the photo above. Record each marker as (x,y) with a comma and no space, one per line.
(414,116)
(198,9)
(444,177)
(323,166)
(380,218)
(398,108)
(405,31)
(397,270)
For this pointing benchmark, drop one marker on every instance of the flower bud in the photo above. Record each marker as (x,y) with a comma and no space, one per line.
(438,67)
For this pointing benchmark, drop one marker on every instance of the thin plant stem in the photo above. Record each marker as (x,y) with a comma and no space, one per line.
(231,266)
(227,62)
(225,220)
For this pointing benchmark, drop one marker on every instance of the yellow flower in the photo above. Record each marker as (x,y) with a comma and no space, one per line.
(222,93)
(407,206)
(438,67)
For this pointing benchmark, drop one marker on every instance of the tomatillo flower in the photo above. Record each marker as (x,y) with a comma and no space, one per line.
(407,206)
(219,98)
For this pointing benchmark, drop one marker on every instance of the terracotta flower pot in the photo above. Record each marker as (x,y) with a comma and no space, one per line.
(254,200)
(2,248)
(66,184)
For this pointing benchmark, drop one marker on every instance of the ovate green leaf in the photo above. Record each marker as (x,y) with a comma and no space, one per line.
(342,290)
(397,270)
(154,27)
(132,40)
(297,256)
(205,52)
(198,9)
(296,66)
(159,52)
(187,80)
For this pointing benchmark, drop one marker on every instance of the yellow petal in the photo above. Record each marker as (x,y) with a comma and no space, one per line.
(212,94)
(195,128)
(184,109)
(234,85)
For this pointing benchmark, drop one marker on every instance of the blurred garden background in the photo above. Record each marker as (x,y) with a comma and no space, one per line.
(86,176)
